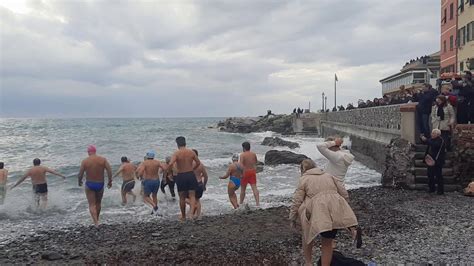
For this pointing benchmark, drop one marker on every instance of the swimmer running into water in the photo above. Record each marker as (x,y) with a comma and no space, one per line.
(249,161)
(201,178)
(127,170)
(150,171)
(235,172)
(38,178)
(94,167)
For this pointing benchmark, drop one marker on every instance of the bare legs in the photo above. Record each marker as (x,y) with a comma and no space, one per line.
(256,194)
(308,252)
(242,193)
(152,201)
(124,196)
(326,251)
(95,201)
(41,200)
(182,203)
(255,191)
(231,188)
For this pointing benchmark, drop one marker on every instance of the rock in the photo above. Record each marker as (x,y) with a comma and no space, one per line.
(274,157)
(276,123)
(260,166)
(275,141)
(51,256)
(399,158)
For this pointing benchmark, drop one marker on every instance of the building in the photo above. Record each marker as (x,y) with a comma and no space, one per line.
(465,33)
(449,20)
(418,71)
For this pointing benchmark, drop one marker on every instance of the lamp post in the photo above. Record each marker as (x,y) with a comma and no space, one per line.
(322,108)
(325,103)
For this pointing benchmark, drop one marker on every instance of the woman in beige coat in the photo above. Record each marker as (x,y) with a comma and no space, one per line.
(320,204)
(443,118)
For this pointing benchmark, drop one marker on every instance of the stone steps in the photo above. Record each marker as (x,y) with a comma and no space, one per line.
(446,180)
(447,188)
(420,148)
(421,163)
(422,171)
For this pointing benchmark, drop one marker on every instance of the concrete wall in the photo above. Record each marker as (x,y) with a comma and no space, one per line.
(369,129)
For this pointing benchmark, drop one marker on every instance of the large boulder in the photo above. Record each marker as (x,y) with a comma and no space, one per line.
(275,157)
(399,160)
(275,141)
(276,123)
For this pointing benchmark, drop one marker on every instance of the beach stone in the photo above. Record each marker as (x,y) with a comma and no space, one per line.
(274,157)
(276,141)
(51,256)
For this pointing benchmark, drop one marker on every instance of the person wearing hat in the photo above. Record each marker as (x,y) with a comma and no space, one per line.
(94,167)
(150,171)
(235,172)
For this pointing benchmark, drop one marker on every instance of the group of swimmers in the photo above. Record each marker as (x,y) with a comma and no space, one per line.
(183,168)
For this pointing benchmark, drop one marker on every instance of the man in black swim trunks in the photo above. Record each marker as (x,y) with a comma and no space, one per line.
(186,163)
(127,170)
(201,177)
(38,177)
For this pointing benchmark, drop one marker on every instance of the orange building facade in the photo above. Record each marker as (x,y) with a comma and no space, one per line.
(449,20)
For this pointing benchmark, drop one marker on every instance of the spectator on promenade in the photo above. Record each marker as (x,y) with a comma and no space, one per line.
(350,106)
(361,104)
(443,118)
(423,109)
(465,105)
(435,158)
(320,205)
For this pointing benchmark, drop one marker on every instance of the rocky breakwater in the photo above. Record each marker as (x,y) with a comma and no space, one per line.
(277,123)
(276,141)
(274,157)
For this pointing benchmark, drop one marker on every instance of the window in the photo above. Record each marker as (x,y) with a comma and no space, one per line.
(444,46)
(463,36)
(461,66)
(461,6)
(471,2)
(451,11)
(443,20)
(451,43)
(468,32)
(472,29)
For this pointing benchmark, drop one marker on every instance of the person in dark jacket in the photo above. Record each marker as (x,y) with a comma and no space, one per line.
(436,149)
(423,109)
(465,99)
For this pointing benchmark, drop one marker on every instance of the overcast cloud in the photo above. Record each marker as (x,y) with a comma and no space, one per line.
(74,58)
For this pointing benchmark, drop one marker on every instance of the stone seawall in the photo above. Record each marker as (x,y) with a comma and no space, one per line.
(370,130)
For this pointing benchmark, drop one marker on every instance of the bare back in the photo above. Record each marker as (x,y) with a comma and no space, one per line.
(248,160)
(94,167)
(3,176)
(150,169)
(128,171)
(200,172)
(234,171)
(184,160)
(38,174)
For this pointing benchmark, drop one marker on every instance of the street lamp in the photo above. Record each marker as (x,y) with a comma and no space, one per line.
(325,103)
(322,107)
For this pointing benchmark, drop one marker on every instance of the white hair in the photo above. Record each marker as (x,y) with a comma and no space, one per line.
(436,131)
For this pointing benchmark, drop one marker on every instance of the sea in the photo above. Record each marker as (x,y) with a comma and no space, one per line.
(61,145)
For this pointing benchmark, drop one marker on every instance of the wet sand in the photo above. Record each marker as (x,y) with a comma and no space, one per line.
(399,227)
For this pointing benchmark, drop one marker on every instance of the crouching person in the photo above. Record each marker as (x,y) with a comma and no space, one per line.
(320,205)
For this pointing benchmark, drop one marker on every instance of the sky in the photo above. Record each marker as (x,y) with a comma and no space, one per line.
(164,58)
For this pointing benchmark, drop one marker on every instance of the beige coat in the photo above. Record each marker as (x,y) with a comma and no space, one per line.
(449,117)
(320,204)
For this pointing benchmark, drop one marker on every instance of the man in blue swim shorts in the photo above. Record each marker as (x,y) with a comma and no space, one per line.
(235,172)
(94,167)
(150,170)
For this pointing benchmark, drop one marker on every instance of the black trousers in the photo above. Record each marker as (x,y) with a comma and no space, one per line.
(446,135)
(435,176)
(170,185)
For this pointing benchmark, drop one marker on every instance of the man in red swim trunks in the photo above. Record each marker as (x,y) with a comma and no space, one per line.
(248,160)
